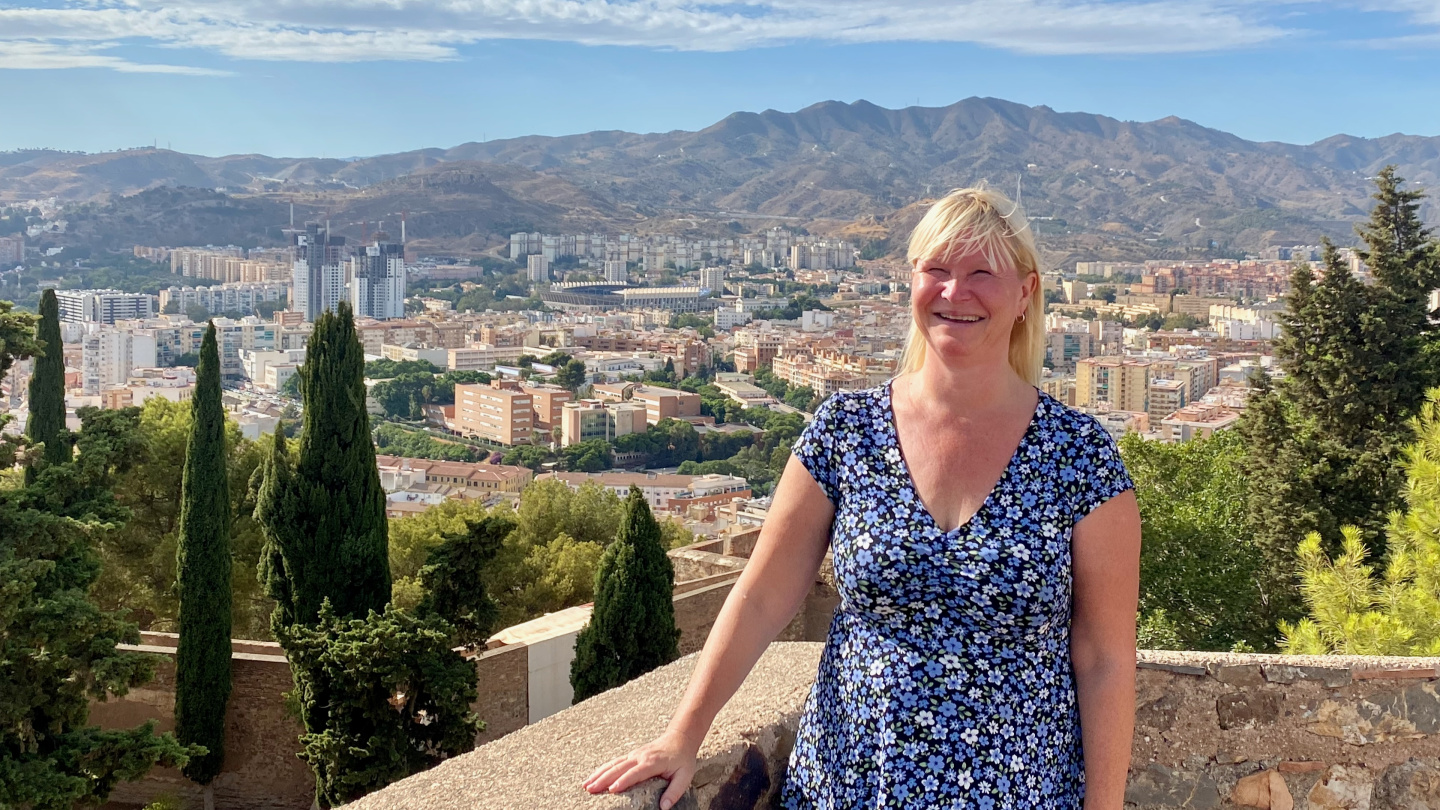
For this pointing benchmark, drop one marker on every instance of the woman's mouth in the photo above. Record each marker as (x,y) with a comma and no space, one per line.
(959,318)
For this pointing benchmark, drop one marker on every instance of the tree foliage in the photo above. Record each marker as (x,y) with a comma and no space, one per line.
(632,629)
(202,660)
(46,424)
(1324,442)
(57,645)
(140,555)
(1354,611)
(381,697)
(454,579)
(324,516)
(1198,563)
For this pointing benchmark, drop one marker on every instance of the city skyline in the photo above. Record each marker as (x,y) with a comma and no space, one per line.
(197,78)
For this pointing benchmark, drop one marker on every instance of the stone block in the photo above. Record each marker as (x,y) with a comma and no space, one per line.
(1410,785)
(1161,787)
(1245,710)
(1159,714)
(1178,669)
(1300,767)
(1343,787)
(1242,675)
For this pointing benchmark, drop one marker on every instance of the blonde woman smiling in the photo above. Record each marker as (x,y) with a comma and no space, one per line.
(986,548)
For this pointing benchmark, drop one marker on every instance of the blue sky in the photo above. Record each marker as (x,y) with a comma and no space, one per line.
(340,78)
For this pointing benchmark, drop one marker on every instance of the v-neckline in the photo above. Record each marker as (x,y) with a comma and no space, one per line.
(908,479)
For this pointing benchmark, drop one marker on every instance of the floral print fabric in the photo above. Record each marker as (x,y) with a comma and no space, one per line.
(946,678)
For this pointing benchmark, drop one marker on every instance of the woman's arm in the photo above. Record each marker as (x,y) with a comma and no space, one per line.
(765,598)
(1106,559)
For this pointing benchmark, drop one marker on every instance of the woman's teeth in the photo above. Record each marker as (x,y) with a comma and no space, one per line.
(958,318)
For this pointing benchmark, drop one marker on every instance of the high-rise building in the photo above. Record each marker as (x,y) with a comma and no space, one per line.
(615,272)
(103,306)
(377,280)
(319,271)
(712,279)
(12,251)
(538,268)
(108,356)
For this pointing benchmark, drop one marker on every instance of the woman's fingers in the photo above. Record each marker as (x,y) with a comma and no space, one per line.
(638,773)
(678,784)
(602,779)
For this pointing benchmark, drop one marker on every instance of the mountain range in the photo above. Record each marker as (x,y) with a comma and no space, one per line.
(1171,183)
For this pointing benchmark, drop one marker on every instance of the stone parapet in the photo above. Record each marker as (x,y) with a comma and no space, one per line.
(1213,730)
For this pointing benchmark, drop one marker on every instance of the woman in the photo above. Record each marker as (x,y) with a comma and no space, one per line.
(986,549)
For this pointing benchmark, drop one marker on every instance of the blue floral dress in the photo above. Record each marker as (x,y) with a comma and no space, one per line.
(946,678)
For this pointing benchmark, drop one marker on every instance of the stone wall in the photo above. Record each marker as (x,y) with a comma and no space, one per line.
(261,769)
(1212,731)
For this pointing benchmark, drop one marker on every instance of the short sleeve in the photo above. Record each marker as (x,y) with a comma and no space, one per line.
(1100,471)
(816,448)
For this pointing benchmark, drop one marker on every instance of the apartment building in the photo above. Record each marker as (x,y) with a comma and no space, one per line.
(240,298)
(1167,397)
(548,402)
(801,370)
(492,477)
(587,419)
(109,355)
(664,493)
(1121,382)
(1199,420)
(666,403)
(103,306)
(755,350)
(499,412)
(481,357)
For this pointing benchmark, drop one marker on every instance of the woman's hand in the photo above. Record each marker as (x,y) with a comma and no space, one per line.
(668,756)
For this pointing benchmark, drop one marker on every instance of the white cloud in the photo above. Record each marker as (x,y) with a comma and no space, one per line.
(72,33)
(49,56)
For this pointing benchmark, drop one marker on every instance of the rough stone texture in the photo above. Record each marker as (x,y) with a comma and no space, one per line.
(693,563)
(742,759)
(1410,785)
(261,769)
(503,698)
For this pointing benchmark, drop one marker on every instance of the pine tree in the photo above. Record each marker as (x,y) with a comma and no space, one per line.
(1325,441)
(202,666)
(47,387)
(632,629)
(1353,611)
(326,518)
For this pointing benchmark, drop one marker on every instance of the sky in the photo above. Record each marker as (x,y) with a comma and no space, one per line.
(350,78)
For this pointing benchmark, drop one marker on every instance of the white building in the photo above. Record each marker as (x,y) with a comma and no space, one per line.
(537,268)
(712,279)
(615,272)
(240,298)
(377,281)
(319,273)
(103,306)
(108,356)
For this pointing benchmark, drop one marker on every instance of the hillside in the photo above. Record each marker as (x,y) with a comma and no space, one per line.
(1169,182)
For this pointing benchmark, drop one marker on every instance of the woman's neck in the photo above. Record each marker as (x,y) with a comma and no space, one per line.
(969,390)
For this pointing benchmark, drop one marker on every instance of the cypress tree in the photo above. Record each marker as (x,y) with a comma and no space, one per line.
(632,629)
(202,667)
(326,519)
(47,386)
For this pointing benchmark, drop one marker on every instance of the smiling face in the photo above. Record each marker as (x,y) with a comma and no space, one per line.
(966,306)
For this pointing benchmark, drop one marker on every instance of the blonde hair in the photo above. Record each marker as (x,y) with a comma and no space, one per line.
(985,220)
